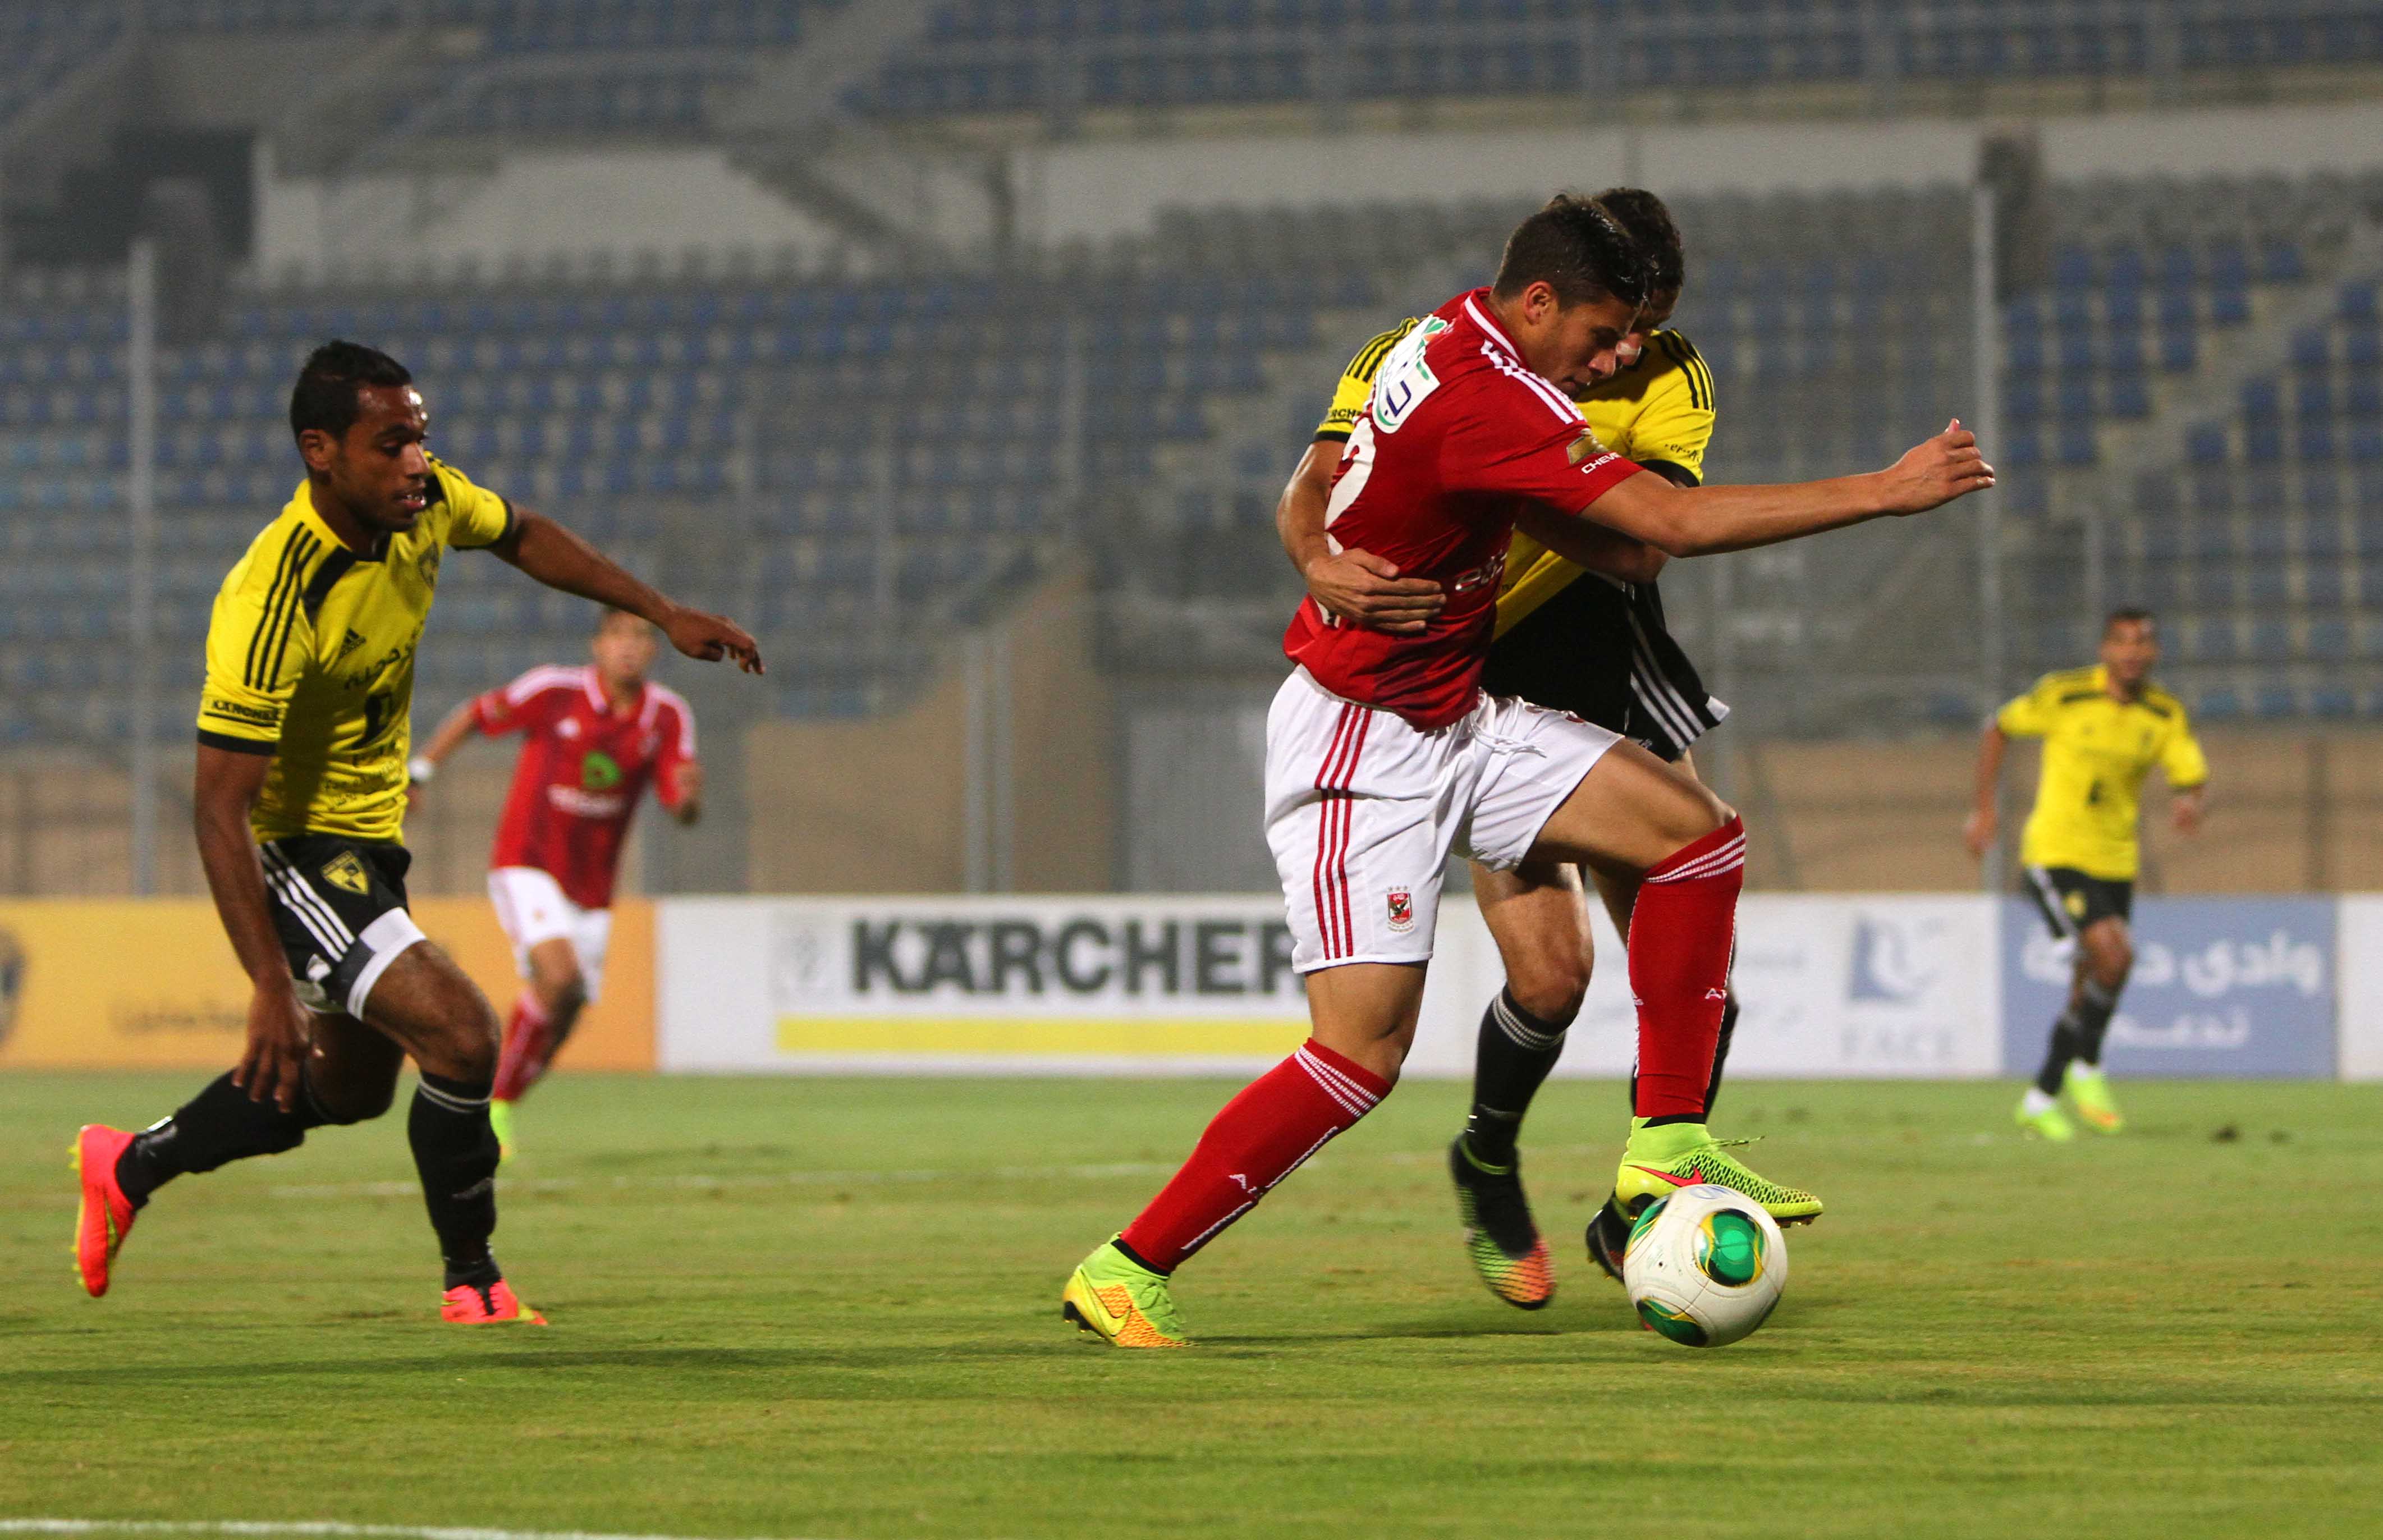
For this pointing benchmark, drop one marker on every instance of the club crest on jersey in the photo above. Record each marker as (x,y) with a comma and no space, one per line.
(344,870)
(598,773)
(1402,910)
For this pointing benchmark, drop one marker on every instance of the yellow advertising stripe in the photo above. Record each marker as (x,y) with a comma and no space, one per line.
(1030,1037)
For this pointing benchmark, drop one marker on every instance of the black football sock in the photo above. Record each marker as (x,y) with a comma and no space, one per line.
(2065,1045)
(1721,1053)
(218,1126)
(455,1151)
(2092,1015)
(1515,1052)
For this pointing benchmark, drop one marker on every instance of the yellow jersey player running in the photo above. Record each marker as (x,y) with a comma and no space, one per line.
(1593,643)
(299,800)
(2104,728)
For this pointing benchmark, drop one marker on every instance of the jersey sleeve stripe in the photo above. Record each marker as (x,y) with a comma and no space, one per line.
(1692,363)
(291,606)
(1369,357)
(1554,398)
(266,645)
(281,577)
(537,680)
(237,746)
(1697,361)
(1676,349)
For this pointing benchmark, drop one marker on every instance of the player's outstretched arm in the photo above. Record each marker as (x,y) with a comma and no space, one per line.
(556,556)
(1700,521)
(280,1030)
(1593,546)
(1354,585)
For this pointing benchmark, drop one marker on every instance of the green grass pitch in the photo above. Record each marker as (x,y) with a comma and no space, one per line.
(828,1309)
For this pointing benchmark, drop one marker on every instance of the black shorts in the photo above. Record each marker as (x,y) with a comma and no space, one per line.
(2071,901)
(1600,649)
(339,905)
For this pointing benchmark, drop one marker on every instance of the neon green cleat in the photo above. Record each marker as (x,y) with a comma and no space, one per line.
(2047,1125)
(1122,1302)
(2089,1088)
(1658,1162)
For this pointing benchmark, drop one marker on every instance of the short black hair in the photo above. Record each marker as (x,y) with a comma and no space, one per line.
(1646,222)
(326,394)
(1578,250)
(2126,613)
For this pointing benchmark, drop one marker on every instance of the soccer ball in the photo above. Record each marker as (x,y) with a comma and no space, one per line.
(1705,1266)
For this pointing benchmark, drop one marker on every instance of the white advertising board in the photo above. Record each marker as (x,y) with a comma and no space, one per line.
(1834,987)
(1000,985)
(1883,987)
(2360,949)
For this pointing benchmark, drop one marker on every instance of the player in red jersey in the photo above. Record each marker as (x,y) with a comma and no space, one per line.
(1384,758)
(594,737)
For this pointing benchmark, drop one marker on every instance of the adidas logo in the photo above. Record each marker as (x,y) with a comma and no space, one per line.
(348,644)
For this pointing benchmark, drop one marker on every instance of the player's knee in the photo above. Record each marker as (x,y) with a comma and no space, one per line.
(343,1105)
(1697,813)
(2112,963)
(1551,990)
(469,1048)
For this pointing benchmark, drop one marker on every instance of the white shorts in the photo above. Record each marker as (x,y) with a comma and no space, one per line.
(1364,810)
(531,907)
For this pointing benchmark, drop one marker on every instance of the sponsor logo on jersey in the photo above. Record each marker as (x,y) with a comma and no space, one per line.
(344,870)
(588,804)
(234,710)
(1401,909)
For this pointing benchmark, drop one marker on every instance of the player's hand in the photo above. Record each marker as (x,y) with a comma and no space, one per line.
(1367,589)
(280,1040)
(1933,474)
(686,789)
(1979,832)
(2186,813)
(712,638)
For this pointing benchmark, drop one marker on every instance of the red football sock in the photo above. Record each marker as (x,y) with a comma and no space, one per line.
(1681,936)
(1262,1136)
(528,1039)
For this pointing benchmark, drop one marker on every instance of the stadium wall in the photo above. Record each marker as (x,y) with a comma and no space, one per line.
(1864,986)
(530,205)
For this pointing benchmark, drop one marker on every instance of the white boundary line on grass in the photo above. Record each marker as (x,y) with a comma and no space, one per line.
(328,1528)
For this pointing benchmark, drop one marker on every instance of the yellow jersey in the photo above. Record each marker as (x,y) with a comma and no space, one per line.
(310,658)
(1659,412)
(2096,751)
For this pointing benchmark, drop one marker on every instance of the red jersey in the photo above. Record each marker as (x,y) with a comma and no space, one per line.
(582,769)
(1458,437)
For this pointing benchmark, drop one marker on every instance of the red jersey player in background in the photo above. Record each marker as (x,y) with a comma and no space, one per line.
(594,737)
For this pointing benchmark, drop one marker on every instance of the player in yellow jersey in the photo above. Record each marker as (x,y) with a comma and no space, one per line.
(1593,643)
(2104,728)
(299,800)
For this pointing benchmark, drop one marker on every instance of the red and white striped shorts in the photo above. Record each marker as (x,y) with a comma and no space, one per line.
(1364,810)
